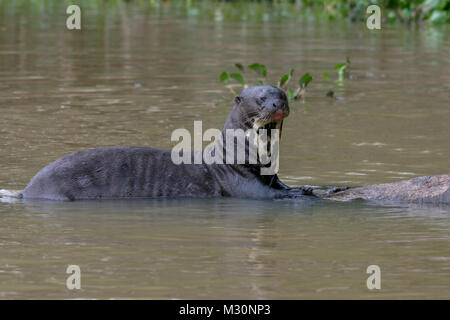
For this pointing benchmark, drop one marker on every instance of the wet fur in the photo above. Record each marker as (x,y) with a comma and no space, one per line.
(142,172)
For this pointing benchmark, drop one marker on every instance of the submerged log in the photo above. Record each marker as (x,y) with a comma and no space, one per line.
(429,189)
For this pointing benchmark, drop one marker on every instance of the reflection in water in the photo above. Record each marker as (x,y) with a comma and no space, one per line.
(133,75)
(236,248)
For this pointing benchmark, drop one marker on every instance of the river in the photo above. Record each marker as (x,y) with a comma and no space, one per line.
(132,76)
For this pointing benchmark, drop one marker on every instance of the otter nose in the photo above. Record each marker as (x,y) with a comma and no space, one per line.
(280,110)
(280,104)
(275,103)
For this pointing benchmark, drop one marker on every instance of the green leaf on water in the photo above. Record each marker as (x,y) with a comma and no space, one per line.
(326,75)
(264,70)
(283,80)
(304,80)
(239,66)
(224,78)
(260,83)
(340,66)
(258,68)
(290,94)
(238,77)
(254,66)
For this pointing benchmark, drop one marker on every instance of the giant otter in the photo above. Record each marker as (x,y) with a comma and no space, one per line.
(142,172)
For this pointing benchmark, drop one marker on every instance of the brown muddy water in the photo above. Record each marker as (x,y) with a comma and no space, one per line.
(131,77)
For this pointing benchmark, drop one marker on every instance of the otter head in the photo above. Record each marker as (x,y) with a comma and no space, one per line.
(260,107)
(255,108)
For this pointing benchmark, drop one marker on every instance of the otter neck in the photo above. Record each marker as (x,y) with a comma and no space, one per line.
(238,121)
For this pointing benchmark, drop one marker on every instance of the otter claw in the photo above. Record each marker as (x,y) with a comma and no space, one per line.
(305,190)
(334,190)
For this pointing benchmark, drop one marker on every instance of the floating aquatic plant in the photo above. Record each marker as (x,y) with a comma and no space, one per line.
(261,72)
(342,68)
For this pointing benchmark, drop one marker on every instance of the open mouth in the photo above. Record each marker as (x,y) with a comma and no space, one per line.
(271,121)
(279,115)
(268,126)
(274,124)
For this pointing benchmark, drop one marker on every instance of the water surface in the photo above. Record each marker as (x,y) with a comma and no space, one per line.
(131,76)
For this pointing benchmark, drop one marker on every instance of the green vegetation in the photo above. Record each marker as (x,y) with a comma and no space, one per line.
(341,69)
(293,93)
(434,11)
(261,73)
(302,84)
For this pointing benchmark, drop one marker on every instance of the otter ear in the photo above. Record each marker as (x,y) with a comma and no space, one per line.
(237,99)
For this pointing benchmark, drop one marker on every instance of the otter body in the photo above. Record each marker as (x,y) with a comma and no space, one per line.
(141,172)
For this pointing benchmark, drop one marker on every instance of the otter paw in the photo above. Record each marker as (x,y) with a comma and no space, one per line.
(304,190)
(334,190)
(308,190)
